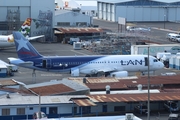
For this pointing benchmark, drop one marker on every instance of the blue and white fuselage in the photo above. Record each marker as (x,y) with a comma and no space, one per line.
(75,65)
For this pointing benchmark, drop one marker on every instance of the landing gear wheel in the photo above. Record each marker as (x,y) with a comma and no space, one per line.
(34,76)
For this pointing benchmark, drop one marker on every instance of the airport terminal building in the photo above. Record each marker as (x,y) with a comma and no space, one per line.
(139,10)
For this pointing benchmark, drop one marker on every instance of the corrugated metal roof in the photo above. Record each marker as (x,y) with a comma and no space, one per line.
(80,30)
(8,82)
(134,97)
(101,80)
(52,89)
(5,90)
(17,99)
(114,1)
(56,87)
(154,80)
(101,86)
(83,102)
(130,83)
(120,1)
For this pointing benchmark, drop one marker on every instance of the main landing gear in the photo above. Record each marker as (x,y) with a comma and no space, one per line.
(99,74)
(34,76)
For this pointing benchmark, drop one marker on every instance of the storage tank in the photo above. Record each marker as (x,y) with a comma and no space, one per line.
(77,45)
(172,62)
(178,63)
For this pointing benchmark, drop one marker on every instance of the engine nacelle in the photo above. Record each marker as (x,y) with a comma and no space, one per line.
(75,72)
(119,74)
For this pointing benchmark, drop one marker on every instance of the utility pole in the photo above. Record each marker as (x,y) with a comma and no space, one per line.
(148,115)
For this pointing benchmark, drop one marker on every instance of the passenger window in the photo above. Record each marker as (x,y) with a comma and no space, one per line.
(155,60)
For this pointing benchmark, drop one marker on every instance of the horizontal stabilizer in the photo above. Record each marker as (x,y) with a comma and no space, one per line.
(26,64)
(35,37)
(11,59)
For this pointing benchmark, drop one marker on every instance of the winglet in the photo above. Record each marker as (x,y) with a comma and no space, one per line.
(24,48)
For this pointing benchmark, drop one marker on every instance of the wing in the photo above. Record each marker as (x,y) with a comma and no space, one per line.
(35,37)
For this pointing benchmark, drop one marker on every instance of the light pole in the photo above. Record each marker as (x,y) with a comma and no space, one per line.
(148,115)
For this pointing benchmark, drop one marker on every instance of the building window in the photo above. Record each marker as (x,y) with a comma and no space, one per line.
(74,110)
(63,23)
(86,110)
(20,111)
(53,110)
(31,108)
(119,108)
(81,23)
(5,111)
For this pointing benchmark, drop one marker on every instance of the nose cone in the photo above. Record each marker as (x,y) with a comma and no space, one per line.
(160,65)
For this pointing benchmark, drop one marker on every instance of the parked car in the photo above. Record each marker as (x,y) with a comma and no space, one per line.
(173,37)
(137,29)
(171,106)
(173,116)
(141,108)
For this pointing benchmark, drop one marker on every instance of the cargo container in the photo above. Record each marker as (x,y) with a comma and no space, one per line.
(154,49)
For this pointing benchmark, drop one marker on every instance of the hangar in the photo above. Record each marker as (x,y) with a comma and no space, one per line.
(13,13)
(139,10)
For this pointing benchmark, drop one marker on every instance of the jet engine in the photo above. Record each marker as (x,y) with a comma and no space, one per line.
(119,74)
(74,72)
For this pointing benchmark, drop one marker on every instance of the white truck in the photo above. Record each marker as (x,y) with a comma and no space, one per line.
(11,67)
(173,37)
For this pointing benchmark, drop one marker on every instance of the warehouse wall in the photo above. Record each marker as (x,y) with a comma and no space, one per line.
(77,17)
(132,13)
(111,12)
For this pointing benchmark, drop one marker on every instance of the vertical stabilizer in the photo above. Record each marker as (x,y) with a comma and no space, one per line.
(23,47)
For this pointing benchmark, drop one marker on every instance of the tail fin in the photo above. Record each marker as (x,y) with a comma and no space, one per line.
(26,27)
(24,48)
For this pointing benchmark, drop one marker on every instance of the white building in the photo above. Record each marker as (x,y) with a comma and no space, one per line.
(70,18)
(138,10)
(87,7)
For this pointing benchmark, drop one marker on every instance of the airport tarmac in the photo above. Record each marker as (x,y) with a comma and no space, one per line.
(158,29)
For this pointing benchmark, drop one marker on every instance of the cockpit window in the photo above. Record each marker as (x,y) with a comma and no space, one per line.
(155,60)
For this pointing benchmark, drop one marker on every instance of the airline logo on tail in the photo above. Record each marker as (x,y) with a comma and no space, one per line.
(23,47)
(10,39)
(25,28)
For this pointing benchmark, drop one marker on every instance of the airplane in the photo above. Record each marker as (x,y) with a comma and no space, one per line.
(29,57)
(8,40)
